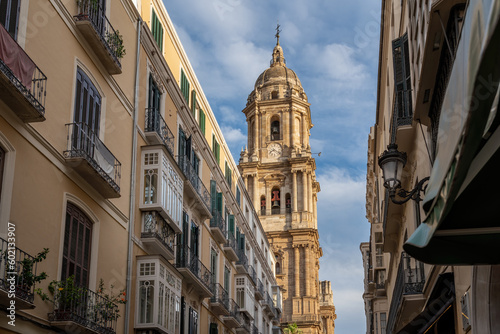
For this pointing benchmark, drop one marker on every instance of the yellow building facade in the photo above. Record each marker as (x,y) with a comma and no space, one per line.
(113,160)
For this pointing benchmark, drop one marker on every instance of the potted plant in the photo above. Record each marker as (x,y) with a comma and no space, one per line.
(115,42)
(106,306)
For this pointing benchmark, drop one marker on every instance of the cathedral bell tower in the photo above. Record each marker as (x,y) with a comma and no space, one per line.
(279,173)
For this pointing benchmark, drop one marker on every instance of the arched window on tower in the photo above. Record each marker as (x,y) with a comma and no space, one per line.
(274,94)
(278,268)
(275,201)
(288,203)
(275,130)
(263,205)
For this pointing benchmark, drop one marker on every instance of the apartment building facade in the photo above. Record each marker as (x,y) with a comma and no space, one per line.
(429,263)
(113,160)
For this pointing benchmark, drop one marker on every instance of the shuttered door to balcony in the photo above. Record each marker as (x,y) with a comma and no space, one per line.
(76,251)
(9,14)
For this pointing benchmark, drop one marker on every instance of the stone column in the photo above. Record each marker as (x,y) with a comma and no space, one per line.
(256,142)
(294,190)
(310,191)
(307,268)
(282,200)
(268,198)
(256,193)
(304,192)
(245,179)
(297,270)
(303,131)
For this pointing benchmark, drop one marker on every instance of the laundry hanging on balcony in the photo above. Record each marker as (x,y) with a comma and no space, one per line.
(15,58)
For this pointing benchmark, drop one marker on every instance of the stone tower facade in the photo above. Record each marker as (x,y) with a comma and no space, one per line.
(279,173)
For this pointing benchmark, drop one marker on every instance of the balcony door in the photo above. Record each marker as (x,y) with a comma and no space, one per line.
(9,15)
(76,249)
(87,114)
(154,100)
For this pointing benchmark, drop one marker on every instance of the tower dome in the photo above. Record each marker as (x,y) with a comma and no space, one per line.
(278,81)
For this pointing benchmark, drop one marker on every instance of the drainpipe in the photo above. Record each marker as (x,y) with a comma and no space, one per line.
(132,180)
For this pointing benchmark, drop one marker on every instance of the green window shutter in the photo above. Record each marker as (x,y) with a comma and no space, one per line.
(184,86)
(218,152)
(201,120)
(238,195)
(213,194)
(213,144)
(242,242)
(231,224)
(219,202)
(193,102)
(157,30)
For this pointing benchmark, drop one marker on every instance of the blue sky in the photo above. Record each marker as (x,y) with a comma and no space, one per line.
(333,48)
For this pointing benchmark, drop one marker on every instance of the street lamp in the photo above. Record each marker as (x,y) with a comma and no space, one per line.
(392,162)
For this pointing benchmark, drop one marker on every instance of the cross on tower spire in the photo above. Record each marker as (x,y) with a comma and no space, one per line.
(278,34)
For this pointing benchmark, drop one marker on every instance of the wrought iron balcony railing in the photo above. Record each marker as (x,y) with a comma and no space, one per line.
(85,308)
(91,11)
(242,259)
(220,296)
(190,173)
(259,290)
(234,319)
(156,227)
(252,274)
(23,79)
(231,241)
(84,143)
(255,330)
(410,280)
(155,123)
(16,271)
(218,226)
(187,259)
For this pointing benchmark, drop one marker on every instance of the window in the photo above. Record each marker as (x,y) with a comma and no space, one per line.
(213,328)
(184,86)
(240,297)
(157,30)
(383,322)
(87,105)
(193,321)
(76,249)
(159,296)
(9,15)
(288,203)
(216,149)
(275,130)
(201,121)
(275,200)
(213,264)
(154,95)
(278,268)
(263,205)
(162,186)
(227,280)
(238,196)
(402,81)
(228,175)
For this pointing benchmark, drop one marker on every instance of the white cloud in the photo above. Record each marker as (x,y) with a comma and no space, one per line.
(233,136)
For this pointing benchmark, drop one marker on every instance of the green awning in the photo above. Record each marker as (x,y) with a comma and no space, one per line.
(463,223)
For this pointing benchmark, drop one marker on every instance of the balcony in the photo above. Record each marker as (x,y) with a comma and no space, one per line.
(233,319)
(259,290)
(302,319)
(244,328)
(230,247)
(255,330)
(219,302)
(88,156)
(242,263)
(83,311)
(252,274)
(407,295)
(13,278)
(22,83)
(156,130)
(157,236)
(193,271)
(107,43)
(194,187)
(267,303)
(218,227)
